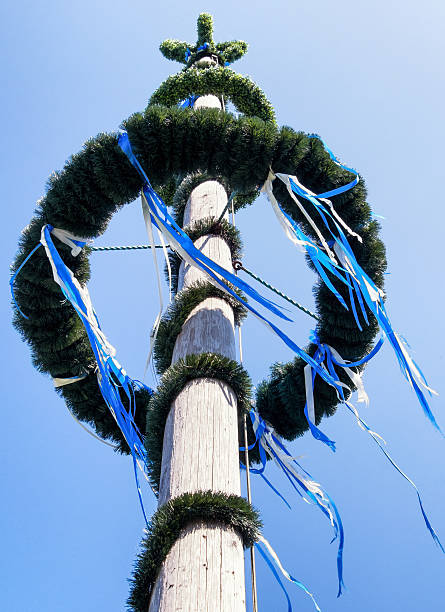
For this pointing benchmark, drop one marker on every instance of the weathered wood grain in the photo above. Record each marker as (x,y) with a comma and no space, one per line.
(204,571)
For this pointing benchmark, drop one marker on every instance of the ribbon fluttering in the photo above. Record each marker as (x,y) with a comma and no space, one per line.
(112,378)
(219,276)
(335,256)
(302,482)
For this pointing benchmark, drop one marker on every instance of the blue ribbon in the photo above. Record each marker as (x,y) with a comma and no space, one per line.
(333,192)
(190,101)
(276,575)
(280,582)
(14,276)
(162,219)
(295,483)
(361,283)
(111,378)
(330,361)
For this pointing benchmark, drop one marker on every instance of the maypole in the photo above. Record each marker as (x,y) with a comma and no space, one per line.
(205,567)
(200,449)
(189,436)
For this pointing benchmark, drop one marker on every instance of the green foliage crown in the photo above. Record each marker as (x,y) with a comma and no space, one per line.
(185,53)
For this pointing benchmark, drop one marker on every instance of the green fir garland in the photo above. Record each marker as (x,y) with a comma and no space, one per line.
(171,519)
(185,301)
(185,53)
(182,189)
(209,226)
(247,97)
(204,365)
(96,182)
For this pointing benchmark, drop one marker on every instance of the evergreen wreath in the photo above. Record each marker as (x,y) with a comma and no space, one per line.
(225,53)
(242,91)
(173,517)
(177,313)
(204,365)
(178,191)
(206,227)
(96,182)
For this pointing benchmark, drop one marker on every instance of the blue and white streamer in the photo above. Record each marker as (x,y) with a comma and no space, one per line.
(112,378)
(309,490)
(332,358)
(284,572)
(336,257)
(218,275)
(324,353)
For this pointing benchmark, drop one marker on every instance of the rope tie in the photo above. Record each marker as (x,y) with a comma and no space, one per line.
(239,266)
(125,248)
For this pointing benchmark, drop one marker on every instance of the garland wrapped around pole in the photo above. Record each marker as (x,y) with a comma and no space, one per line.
(175,516)
(186,152)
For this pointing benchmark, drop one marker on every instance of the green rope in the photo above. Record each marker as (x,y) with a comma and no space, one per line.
(126,248)
(277,291)
(229,202)
(237,264)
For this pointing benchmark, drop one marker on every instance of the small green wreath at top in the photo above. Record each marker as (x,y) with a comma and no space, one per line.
(206,73)
(222,53)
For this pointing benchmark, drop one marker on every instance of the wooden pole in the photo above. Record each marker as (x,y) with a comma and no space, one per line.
(204,571)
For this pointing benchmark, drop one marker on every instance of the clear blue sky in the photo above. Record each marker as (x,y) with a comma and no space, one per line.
(368,77)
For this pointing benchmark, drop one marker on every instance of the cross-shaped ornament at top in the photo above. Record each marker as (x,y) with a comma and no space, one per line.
(221,53)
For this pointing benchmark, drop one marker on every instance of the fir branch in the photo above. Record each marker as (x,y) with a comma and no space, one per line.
(242,91)
(167,524)
(210,226)
(185,301)
(204,365)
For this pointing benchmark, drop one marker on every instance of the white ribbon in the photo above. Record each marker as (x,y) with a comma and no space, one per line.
(286,180)
(355,377)
(287,227)
(377,294)
(61,382)
(149,228)
(325,200)
(268,443)
(285,573)
(309,393)
(357,381)
(415,370)
(167,263)
(89,313)
(106,351)
(91,433)
(68,239)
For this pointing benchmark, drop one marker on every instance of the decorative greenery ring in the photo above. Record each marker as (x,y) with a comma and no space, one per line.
(178,312)
(96,182)
(204,365)
(173,517)
(185,53)
(247,97)
(179,195)
(209,226)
